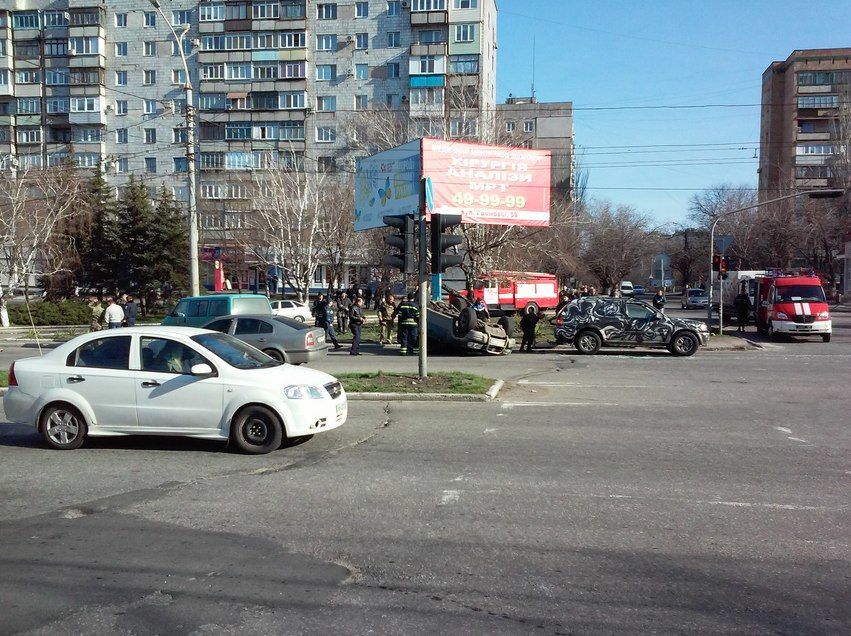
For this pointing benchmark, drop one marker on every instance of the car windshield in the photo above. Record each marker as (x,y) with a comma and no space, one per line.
(696,292)
(798,293)
(235,352)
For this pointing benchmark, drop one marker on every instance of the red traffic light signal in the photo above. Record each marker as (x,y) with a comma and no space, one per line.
(723,266)
(716,263)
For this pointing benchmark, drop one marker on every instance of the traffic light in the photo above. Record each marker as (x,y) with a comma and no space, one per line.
(716,263)
(406,259)
(723,268)
(441,242)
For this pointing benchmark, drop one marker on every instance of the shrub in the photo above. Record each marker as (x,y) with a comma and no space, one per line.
(64,312)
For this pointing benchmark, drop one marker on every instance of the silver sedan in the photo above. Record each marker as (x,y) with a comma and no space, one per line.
(283,339)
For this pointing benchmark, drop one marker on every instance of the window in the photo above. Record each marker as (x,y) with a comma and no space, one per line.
(56,76)
(528,126)
(181,164)
(187,48)
(292,70)
(56,48)
(291,130)
(25,20)
(819,101)
(149,77)
(463,128)
(27,77)
(465,4)
(510,126)
(86,135)
(427,63)
(84,104)
(211,12)
(361,9)
(293,40)
(326,164)
(121,20)
(29,106)
(326,72)
(426,96)
(465,32)
(392,101)
(150,135)
(181,17)
(121,107)
(463,64)
(151,165)
(361,41)
(394,39)
(431,36)
(392,70)
(121,136)
(4,81)
(149,49)
(121,49)
(639,312)
(167,356)
(122,166)
(27,49)
(362,71)
(428,5)
(102,353)
(178,76)
(83,45)
(265,10)
(264,41)
(361,102)
(29,135)
(57,104)
(823,78)
(149,107)
(237,130)
(326,134)
(326,104)
(178,135)
(394,7)
(294,99)
(236,12)
(238,71)
(326,11)
(212,71)
(121,78)
(150,19)
(85,76)
(326,42)
(815,149)
(813,172)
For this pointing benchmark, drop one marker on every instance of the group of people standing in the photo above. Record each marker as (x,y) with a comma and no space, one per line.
(120,311)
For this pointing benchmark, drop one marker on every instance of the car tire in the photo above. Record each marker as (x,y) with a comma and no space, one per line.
(466,321)
(57,421)
(507,324)
(256,430)
(299,318)
(459,304)
(684,344)
(275,354)
(825,337)
(587,342)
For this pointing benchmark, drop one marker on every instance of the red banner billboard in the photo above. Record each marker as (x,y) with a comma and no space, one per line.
(494,185)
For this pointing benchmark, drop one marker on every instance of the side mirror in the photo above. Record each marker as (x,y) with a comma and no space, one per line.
(201,369)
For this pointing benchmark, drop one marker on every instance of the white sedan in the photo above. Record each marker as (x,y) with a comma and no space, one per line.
(170,381)
(292,309)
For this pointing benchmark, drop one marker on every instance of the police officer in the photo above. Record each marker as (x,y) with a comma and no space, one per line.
(409,318)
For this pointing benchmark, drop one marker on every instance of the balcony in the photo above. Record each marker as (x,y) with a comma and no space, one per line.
(438,48)
(813,136)
(426,18)
(811,183)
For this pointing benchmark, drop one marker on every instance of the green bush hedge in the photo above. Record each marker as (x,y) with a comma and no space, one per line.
(65,312)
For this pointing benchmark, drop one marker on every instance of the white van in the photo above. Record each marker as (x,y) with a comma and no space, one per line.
(627,290)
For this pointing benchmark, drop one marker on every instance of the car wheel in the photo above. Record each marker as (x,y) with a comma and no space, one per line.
(507,325)
(825,337)
(587,342)
(275,354)
(256,430)
(459,304)
(299,318)
(684,344)
(466,321)
(62,427)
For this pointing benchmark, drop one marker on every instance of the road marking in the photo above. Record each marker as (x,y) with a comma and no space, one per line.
(490,430)
(587,386)
(511,405)
(449,496)
(783,429)
(798,439)
(715,502)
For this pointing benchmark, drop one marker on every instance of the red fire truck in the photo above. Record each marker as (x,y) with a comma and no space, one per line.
(510,292)
(792,305)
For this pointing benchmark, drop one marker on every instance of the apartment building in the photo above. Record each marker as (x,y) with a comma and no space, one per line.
(802,100)
(526,122)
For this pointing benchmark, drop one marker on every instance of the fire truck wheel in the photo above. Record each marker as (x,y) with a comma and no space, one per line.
(825,337)
(466,320)
(507,325)
(535,305)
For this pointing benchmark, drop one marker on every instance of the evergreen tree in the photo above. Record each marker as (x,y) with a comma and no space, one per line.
(172,241)
(97,241)
(137,257)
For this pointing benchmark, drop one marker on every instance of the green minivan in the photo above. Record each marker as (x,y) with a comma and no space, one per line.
(194,311)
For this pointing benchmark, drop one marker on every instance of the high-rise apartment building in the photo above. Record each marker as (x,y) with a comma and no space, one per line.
(802,98)
(274,80)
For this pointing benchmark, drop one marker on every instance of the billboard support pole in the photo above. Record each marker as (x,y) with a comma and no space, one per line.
(422,288)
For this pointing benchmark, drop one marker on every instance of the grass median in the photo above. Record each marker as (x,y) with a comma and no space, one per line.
(4,379)
(380,382)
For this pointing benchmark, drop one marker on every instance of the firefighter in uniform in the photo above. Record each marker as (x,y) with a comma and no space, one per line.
(409,319)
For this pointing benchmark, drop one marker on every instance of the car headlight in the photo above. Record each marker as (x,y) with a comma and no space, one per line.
(703,327)
(823,315)
(782,316)
(303,392)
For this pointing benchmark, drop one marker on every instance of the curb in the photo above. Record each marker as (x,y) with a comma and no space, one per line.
(429,397)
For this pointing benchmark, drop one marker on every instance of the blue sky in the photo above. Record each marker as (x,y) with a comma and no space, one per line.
(615,53)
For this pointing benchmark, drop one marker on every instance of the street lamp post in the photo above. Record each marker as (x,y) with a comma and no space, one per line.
(194,274)
(812,193)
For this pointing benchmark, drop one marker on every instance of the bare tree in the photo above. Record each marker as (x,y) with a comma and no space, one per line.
(615,241)
(34,204)
(338,245)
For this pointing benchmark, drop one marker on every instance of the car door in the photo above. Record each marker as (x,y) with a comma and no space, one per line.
(254,331)
(168,396)
(99,371)
(646,325)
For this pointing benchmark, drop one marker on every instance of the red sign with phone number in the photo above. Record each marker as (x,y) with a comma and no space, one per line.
(495,185)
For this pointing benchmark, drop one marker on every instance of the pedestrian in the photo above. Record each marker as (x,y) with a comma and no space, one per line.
(563,301)
(114,315)
(344,305)
(659,300)
(481,309)
(583,291)
(131,311)
(330,334)
(319,310)
(592,291)
(386,313)
(528,324)
(367,297)
(742,305)
(97,314)
(356,319)
(409,319)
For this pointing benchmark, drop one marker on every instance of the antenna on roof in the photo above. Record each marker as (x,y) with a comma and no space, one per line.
(533,68)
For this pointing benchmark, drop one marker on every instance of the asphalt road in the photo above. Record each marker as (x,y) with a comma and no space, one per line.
(627,492)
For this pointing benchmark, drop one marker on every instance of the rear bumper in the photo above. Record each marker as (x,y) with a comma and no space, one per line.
(18,406)
(304,356)
(818,327)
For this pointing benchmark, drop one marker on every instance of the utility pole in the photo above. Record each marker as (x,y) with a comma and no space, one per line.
(422,288)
